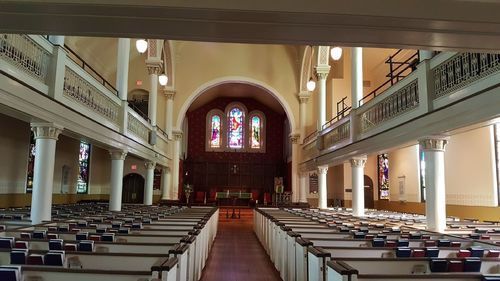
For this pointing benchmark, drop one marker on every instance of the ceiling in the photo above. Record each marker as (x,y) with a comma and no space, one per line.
(237,90)
(414,24)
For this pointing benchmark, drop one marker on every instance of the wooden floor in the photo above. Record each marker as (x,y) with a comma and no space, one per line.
(237,254)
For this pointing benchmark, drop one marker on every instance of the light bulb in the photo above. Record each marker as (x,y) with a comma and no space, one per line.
(311,85)
(163,79)
(141,45)
(336,53)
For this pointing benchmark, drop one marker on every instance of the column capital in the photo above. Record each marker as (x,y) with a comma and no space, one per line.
(294,138)
(358,162)
(118,154)
(304,96)
(149,165)
(154,69)
(169,93)
(433,143)
(166,170)
(177,134)
(46,130)
(322,170)
(322,71)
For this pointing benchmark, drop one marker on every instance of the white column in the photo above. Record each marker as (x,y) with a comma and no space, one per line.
(303,99)
(294,139)
(46,135)
(435,192)
(322,75)
(169,113)
(302,189)
(358,186)
(117,163)
(122,67)
(322,171)
(57,40)
(425,54)
(357,76)
(153,71)
(165,180)
(175,164)
(148,188)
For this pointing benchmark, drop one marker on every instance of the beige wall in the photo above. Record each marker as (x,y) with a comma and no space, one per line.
(100,171)
(469,168)
(14,146)
(403,162)
(198,63)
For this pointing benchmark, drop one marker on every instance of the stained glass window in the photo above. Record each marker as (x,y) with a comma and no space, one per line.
(255,135)
(82,182)
(383,176)
(31,164)
(235,128)
(422,176)
(215,136)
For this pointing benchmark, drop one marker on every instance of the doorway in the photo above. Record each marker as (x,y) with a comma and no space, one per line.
(369,200)
(133,189)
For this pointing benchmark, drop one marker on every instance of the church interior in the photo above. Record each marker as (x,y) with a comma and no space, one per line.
(223,141)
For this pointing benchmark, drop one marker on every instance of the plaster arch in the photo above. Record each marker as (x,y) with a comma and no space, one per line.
(236,79)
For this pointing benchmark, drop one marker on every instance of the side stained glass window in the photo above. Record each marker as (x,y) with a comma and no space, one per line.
(383,176)
(215,136)
(31,164)
(255,134)
(82,182)
(235,128)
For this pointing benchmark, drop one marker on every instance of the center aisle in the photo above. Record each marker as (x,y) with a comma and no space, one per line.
(237,254)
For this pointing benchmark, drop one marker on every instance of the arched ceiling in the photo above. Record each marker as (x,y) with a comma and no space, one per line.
(237,90)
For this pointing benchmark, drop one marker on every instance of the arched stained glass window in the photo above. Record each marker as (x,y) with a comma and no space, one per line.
(255,134)
(235,128)
(215,136)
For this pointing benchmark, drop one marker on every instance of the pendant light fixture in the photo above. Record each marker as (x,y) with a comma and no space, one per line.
(311,84)
(141,45)
(336,53)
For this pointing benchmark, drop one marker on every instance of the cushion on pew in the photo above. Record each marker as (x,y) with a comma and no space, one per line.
(82,236)
(476,252)
(63,228)
(86,245)
(463,254)
(359,235)
(124,230)
(456,244)
(52,236)
(378,242)
(415,236)
(95,237)
(116,225)
(383,236)
(18,256)
(474,236)
(438,265)
(21,245)
(9,273)
(52,228)
(390,243)
(485,237)
(70,247)
(403,252)
(55,258)
(426,237)
(100,230)
(55,244)
(25,235)
(455,266)
(493,253)
(39,234)
(403,243)
(82,224)
(444,243)
(35,259)
(472,265)
(7,242)
(490,278)
(430,243)
(431,252)
(109,237)
(418,253)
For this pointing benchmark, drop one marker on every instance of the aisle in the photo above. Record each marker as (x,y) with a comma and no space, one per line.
(237,254)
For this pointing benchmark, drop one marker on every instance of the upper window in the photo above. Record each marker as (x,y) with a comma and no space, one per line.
(235,130)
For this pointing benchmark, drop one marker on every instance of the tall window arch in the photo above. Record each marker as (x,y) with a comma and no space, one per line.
(215,130)
(236,126)
(256,129)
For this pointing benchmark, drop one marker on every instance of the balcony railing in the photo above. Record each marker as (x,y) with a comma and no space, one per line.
(341,132)
(25,54)
(137,126)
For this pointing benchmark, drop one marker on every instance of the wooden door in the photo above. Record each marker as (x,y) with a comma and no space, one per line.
(133,189)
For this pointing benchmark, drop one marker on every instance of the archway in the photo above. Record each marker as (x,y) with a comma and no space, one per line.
(369,200)
(238,80)
(133,189)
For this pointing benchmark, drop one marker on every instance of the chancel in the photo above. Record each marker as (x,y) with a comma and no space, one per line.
(232,141)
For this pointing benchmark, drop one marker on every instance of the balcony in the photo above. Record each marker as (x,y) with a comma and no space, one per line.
(426,96)
(62,77)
